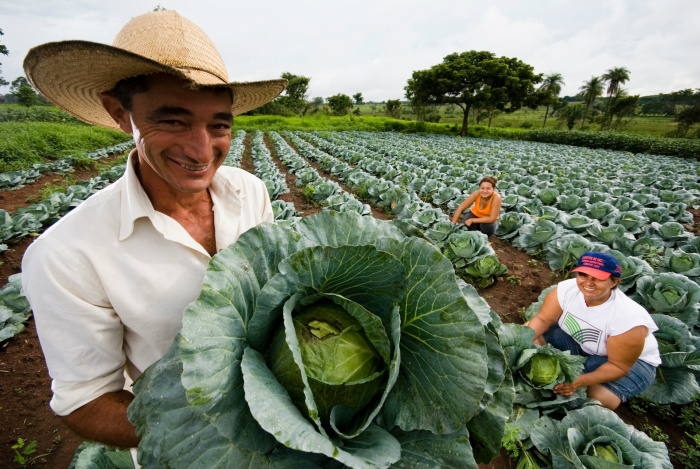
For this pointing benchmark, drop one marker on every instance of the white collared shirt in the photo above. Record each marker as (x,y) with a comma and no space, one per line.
(109,282)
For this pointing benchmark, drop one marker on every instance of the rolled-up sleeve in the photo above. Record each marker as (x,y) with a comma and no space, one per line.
(80,334)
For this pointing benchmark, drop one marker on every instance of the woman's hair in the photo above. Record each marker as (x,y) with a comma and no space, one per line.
(490,179)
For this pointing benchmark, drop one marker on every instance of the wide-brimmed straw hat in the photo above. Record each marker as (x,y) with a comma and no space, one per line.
(73,74)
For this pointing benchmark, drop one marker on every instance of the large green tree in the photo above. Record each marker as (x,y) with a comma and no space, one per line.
(551,87)
(690,114)
(476,78)
(615,78)
(393,108)
(340,104)
(23,91)
(589,92)
(3,51)
(294,97)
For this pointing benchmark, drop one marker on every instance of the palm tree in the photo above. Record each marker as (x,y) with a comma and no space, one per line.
(552,86)
(615,77)
(590,91)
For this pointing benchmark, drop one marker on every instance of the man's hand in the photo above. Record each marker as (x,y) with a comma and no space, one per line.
(104,420)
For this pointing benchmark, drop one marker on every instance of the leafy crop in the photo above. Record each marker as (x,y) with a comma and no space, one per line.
(216,389)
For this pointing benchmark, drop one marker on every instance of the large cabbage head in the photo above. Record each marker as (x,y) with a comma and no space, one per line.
(676,379)
(338,341)
(595,437)
(671,294)
(542,369)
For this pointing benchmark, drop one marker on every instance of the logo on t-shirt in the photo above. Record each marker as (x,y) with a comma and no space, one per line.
(581,331)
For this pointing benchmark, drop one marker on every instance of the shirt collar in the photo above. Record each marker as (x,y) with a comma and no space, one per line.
(136,204)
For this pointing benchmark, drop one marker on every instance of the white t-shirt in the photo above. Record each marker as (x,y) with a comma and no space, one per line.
(109,282)
(591,326)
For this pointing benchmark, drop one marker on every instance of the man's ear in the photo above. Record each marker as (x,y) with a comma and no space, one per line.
(117,111)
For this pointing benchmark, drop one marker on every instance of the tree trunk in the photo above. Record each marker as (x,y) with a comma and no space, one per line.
(465,121)
(545,116)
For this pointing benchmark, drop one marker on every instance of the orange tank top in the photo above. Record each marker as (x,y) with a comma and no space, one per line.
(482,213)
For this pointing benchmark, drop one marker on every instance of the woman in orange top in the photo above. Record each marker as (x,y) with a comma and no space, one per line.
(483,216)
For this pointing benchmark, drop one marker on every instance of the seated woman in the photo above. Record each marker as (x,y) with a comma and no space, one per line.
(483,216)
(589,316)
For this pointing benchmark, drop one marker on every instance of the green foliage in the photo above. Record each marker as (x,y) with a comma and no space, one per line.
(10,113)
(23,451)
(393,108)
(399,291)
(476,79)
(23,144)
(23,91)
(3,51)
(340,104)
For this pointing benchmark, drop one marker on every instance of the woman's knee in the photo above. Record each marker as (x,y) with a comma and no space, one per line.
(607,398)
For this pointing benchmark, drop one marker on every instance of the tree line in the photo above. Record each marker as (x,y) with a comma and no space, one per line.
(482,85)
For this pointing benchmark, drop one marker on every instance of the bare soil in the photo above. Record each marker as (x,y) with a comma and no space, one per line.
(25,385)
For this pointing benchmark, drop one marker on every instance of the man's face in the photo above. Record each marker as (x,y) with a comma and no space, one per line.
(182,135)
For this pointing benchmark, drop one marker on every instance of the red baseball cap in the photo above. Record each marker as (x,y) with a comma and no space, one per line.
(599,265)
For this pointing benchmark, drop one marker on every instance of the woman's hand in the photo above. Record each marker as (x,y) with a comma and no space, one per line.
(566,389)
(468,222)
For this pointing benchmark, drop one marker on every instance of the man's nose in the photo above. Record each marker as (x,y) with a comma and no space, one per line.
(197,143)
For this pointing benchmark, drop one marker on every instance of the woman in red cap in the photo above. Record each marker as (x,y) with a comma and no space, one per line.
(589,316)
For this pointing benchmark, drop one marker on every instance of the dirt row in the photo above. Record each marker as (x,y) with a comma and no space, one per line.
(25,385)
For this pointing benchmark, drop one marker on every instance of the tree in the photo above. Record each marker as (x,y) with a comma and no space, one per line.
(23,91)
(623,106)
(571,113)
(294,97)
(475,78)
(4,51)
(589,91)
(357,97)
(393,108)
(615,77)
(551,86)
(340,104)
(691,113)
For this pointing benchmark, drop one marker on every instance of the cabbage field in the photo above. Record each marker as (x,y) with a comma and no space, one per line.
(558,202)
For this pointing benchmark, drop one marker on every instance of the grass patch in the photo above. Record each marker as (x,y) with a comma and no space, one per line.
(23,144)
(345,123)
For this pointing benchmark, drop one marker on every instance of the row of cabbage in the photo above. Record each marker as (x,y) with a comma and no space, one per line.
(315,187)
(12,180)
(656,242)
(541,415)
(664,286)
(469,251)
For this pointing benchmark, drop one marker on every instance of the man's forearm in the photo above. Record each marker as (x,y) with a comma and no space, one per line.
(104,420)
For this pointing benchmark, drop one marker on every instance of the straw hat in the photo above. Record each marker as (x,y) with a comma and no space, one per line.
(72,74)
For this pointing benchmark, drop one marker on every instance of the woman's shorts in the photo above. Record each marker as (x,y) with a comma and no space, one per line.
(487,228)
(636,381)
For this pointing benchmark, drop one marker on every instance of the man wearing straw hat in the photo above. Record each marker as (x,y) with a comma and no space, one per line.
(109,282)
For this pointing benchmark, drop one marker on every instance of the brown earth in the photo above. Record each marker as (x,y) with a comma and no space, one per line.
(25,384)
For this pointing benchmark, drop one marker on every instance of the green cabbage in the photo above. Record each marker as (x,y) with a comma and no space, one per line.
(316,344)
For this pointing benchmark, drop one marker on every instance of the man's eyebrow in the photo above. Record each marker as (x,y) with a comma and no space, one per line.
(170,111)
(225,116)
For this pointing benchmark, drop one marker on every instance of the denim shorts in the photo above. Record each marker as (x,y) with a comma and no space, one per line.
(636,381)
(487,228)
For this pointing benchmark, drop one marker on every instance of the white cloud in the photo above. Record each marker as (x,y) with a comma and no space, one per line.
(373,46)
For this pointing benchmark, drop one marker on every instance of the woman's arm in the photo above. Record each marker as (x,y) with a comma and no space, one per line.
(493,215)
(548,314)
(623,351)
(464,205)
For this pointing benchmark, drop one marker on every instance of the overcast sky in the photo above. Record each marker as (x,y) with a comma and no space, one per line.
(373,46)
